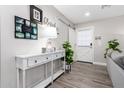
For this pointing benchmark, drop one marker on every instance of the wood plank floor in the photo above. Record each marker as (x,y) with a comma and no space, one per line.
(84,75)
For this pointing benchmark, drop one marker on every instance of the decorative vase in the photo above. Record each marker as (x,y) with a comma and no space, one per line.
(109,54)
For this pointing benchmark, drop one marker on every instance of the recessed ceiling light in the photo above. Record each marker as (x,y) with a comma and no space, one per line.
(87,14)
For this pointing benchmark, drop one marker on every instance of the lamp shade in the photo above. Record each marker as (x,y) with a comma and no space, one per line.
(47,32)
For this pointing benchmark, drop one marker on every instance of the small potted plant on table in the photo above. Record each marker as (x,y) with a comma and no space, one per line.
(68,55)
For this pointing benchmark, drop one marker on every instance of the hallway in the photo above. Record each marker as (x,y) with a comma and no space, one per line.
(84,75)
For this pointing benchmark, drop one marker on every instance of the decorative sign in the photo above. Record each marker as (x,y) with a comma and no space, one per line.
(98,38)
(46,21)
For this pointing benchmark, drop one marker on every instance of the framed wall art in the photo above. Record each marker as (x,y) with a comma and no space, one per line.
(35,14)
(25,29)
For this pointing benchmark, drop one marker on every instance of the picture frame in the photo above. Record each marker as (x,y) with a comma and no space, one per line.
(25,29)
(35,14)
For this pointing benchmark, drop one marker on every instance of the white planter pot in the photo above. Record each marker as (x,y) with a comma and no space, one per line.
(68,68)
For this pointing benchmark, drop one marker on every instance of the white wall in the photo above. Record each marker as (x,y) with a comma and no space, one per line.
(109,29)
(11,46)
(0,51)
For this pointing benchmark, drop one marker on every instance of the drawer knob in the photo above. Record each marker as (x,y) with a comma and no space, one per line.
(35,61)
(56,56)
(47,58)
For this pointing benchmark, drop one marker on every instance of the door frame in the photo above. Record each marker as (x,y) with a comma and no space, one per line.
(74,41)
(93,41)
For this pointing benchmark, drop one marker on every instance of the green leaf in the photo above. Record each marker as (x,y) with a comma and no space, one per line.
(68,52)
(112,45)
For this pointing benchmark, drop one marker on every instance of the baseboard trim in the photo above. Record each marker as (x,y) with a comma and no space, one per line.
(100,63)
(85,62)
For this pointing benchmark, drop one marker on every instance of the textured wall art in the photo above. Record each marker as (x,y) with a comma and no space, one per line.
(25,29)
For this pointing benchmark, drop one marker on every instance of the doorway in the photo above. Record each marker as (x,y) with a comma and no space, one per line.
(72,40)
(85,45)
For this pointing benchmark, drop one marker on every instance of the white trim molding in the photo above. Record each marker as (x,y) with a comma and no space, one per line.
(100,63)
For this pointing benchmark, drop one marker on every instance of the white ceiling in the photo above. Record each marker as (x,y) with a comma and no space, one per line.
(75,13)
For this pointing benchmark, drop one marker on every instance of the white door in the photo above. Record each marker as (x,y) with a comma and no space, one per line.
(84,46)
(72,40)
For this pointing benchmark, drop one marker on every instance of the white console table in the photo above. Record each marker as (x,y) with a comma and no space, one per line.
(51,61)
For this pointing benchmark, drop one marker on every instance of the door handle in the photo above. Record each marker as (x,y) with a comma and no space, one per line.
(90,45)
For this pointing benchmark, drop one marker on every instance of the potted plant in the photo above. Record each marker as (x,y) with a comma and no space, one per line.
(68,55)
(112,46)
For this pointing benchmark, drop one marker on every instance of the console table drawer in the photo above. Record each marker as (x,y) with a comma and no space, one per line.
(58,55)
(38,60)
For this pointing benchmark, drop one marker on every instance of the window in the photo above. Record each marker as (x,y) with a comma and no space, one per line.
(84,37)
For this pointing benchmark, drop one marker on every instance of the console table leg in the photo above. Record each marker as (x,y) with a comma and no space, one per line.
(52,72)
(46,70)
(17,72)
(23,78)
